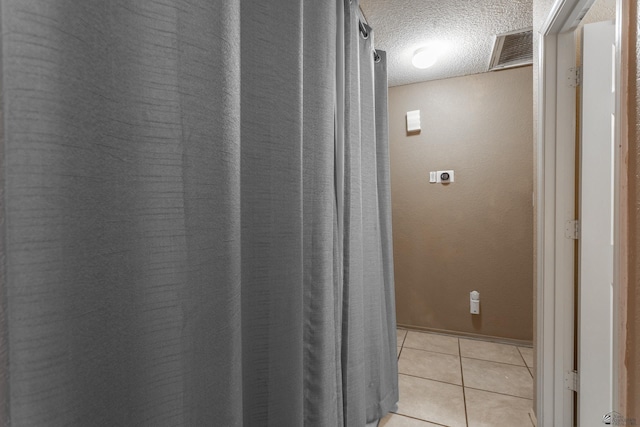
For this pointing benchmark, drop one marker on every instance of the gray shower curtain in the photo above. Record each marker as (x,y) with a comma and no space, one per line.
(195,215)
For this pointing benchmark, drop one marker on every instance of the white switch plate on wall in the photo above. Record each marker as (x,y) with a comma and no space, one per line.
(413,121)
(433,177)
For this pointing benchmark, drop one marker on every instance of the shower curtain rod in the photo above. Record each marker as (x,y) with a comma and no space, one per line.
(363,30)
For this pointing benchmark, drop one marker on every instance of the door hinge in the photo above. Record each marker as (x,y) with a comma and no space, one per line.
(572,380)
(574,76)
(572,229)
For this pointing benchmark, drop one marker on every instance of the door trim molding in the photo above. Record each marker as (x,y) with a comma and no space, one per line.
(555,253)
(621,227)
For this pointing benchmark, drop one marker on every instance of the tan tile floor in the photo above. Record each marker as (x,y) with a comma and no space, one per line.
(460,382)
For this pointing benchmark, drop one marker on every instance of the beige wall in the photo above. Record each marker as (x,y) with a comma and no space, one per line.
(474,234)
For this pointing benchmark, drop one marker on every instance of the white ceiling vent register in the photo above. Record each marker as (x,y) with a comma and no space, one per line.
(512,49)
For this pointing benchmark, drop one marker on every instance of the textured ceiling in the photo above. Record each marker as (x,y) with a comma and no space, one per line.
(465,29)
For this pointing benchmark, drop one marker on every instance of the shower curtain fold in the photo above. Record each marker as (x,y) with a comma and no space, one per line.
(370,383)
(195,215)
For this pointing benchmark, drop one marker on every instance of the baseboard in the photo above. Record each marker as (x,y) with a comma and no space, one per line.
(500,340)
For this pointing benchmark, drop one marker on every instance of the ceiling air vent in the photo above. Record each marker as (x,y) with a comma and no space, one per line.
(512,49)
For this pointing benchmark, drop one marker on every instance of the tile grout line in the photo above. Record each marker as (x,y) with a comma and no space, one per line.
(464,395)
(525,364)
(463,386)
(433,351)
(402,344)
(497,392)
(495,361)
(419,419)
(429,379)
(522,357)
(467,357)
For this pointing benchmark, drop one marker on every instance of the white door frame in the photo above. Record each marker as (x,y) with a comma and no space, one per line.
(555,209)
